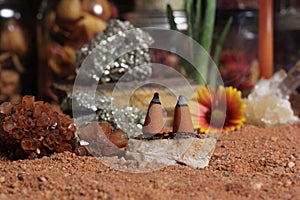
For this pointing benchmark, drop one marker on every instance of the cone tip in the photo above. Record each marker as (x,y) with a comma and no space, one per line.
(155,98)
(181,101)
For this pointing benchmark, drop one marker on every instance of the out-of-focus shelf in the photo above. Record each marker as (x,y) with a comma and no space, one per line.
(287,22)
(156,19)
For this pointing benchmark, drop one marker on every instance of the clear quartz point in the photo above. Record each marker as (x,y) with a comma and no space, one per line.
(291,82)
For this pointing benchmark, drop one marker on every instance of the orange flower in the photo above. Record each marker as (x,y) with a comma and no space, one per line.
(218,111)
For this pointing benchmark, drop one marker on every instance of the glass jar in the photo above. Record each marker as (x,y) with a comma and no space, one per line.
(238,62)
(153,14)
(237,4)
(16,51)
(64,26)
(287,24)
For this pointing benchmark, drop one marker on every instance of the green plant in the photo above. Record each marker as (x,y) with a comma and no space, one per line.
(201,28)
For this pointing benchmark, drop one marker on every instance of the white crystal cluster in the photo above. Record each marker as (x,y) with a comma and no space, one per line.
(267,106)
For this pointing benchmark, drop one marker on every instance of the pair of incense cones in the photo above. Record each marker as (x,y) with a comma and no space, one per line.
(154,119)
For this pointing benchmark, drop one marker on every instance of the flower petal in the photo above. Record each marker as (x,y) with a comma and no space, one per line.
(227,100)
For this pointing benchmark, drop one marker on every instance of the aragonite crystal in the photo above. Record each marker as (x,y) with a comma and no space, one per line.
(33,129)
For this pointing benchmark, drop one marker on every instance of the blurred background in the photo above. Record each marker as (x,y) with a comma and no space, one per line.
(39,38)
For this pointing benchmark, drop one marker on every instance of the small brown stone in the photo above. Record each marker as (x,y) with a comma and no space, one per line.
(119,138)
(106,127)
(99,143)
(81,151)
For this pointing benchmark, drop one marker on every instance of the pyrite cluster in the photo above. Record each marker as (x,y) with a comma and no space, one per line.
(115,52)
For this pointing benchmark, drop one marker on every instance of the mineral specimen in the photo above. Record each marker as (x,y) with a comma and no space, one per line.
(269,104)
(110,44)
(117,51)
(291,82)
(195,152)
(269,110)
(119,138)
(129,119)
(33,129)
(98,143)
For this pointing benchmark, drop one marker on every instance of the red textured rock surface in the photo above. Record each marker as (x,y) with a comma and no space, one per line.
(33,129)
(253,163)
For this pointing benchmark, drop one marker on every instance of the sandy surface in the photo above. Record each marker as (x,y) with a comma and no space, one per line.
(253,163)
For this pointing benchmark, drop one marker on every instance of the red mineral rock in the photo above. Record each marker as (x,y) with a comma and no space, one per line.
(33,129)
(106,127)
(119,138)
(81,151)
(98,142)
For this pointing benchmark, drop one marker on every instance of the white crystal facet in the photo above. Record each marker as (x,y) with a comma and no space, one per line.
(266,105)
(269,110)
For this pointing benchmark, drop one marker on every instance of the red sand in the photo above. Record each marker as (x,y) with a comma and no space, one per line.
(253,163)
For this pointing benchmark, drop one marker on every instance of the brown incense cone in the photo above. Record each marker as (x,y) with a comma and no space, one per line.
(182,117)
(154,119)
